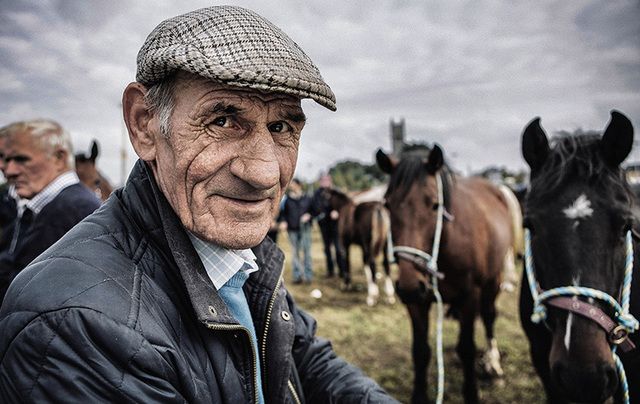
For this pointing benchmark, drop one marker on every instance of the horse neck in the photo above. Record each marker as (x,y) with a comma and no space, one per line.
(346,213)
(105,185)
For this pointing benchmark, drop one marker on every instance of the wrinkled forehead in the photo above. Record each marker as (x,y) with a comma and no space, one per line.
(192,87)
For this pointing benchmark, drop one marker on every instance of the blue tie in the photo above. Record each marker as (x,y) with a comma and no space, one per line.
(232,294)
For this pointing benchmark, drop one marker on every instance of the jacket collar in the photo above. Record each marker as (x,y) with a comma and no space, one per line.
(153,213)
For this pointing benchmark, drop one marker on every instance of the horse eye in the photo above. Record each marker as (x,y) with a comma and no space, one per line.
(436,206)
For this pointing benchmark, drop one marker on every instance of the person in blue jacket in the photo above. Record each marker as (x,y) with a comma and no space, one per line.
(296,216)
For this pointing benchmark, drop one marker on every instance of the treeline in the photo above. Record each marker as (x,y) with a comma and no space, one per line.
(355,176)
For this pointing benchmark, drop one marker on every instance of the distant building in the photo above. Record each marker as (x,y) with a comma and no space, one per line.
(397,137)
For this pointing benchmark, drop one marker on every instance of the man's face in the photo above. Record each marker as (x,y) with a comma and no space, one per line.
(230,155)
(28,165)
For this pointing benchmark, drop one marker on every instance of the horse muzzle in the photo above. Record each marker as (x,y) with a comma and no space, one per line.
(585,384)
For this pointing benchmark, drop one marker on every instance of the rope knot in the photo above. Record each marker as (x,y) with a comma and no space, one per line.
(628,321)
(539,313)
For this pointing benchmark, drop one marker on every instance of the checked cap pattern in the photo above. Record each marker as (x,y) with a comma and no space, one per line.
(234,46)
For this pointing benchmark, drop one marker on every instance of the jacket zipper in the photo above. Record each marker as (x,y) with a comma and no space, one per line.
(253,354)
(272,302)
(293,392)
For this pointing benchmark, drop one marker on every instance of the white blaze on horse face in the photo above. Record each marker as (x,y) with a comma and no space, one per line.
(579,209)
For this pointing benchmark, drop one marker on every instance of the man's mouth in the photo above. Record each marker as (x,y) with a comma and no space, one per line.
(247,202)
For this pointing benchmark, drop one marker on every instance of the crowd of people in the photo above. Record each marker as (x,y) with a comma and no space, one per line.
(297,213)
(170,290)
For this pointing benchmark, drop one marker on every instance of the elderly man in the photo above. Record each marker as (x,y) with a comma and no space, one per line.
(171,292)
(38,163)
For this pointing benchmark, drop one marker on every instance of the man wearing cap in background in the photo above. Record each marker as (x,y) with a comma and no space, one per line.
(170,292)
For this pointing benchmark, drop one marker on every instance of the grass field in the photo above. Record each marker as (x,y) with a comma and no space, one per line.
(378,339)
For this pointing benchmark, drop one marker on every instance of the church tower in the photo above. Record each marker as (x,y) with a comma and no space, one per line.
(397,136)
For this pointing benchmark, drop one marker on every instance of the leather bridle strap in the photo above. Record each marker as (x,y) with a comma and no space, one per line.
(616,333)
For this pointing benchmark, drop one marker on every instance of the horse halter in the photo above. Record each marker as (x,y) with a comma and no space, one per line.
(565,298)
(427,263)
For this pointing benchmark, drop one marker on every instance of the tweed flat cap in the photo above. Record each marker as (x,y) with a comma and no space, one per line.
(234,46)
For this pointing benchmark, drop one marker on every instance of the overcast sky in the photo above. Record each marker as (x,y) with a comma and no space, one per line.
(466,74)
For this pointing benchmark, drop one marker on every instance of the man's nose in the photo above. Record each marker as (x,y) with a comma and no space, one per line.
(258,162)
(11,169)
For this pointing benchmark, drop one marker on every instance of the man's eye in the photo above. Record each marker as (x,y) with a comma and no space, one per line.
(17,159)
(279,127)
(222,121)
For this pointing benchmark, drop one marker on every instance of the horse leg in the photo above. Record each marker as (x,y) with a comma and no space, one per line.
(466,347)
(346,269)
(370,272)
(491,358)
(510,275)
(388,283)
(419,313)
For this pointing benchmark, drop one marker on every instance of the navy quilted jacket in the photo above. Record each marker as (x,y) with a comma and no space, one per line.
(121,310)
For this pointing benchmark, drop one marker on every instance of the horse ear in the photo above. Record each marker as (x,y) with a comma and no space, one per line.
(386,163)
(535,146)
(436,159)
(94,151)
(617,140)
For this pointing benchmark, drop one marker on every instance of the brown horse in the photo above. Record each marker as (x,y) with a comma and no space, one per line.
(462,233)
(89,174)
(366,225)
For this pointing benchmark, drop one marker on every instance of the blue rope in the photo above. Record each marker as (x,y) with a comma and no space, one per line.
(622,315)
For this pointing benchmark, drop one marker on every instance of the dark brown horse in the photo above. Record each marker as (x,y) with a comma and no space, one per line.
(366,225)
(580,216)
(476,236)
(89,174)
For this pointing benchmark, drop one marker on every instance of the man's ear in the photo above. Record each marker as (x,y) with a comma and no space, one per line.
(61,159)
(139,121)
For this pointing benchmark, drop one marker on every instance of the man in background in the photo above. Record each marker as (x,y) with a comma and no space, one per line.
(327,218)
(38,165)
(8,197)
(296,216)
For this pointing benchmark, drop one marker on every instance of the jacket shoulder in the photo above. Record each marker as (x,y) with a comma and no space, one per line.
(75,199)
(100,264)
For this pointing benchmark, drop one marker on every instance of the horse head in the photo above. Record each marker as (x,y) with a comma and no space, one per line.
(578,212)
(89,175)
(412,200)
(338,199)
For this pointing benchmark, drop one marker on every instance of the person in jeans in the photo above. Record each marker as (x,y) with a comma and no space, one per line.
(296,214)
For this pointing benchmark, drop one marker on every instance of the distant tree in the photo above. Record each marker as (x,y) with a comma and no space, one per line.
(352,175)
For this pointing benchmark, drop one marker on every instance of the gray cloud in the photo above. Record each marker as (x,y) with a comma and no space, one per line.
(469,75)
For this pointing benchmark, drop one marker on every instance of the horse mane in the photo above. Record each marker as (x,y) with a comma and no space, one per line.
(341,198)
(579,156)
(411,168)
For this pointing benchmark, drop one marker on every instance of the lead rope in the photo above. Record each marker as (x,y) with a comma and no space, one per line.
(434,282)
(622,315)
